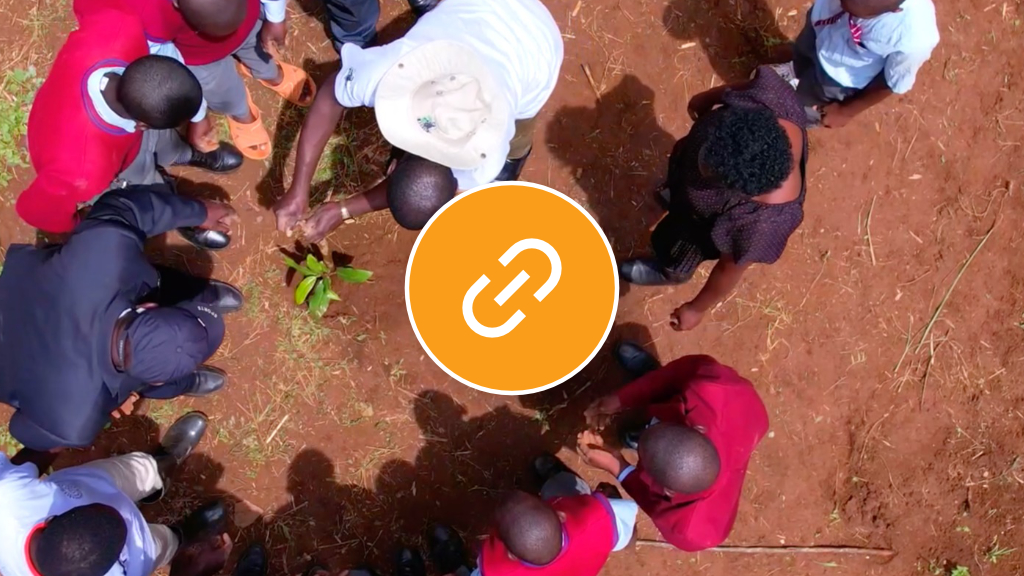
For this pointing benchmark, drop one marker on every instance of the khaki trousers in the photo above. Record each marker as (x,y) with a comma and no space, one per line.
(522,142)
(136,475)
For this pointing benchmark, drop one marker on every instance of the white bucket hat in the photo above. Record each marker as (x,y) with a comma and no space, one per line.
(440,102)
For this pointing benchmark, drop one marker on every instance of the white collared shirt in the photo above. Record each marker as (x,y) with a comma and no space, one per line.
(517,39)
(853,51)
(27,501)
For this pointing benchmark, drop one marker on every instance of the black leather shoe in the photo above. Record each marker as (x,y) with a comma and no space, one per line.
(205,239)
(253,562)
(635,359)
(207,381)
(222,296)
(512,169)
(183,436)
(408,562)
(226,158)
(421,7)
(547,465)
(210,519)
(645,272)
(178,442)
(447,552)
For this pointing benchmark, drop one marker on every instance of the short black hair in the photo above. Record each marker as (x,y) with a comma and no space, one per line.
(747,150)
(679,458)
(216,18)
(417,189)
(529,528)
(84,541)
(160,92)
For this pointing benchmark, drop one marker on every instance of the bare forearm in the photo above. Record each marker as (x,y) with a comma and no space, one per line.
(723,279)
(323,117)
(872,94)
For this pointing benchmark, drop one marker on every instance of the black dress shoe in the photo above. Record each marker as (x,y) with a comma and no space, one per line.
(447,552)
(645,272)
(512,169)
(421,7)
(183,436)
(253,562)
(207,381)
(210,519)
(178,442)
(635,359)
(205,239)
(408,562)
(547,466)
(226,158)
(222,296)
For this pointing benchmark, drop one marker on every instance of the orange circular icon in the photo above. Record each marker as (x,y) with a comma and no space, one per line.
(512,288)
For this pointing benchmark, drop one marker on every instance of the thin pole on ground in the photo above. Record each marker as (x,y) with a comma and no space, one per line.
(882,553)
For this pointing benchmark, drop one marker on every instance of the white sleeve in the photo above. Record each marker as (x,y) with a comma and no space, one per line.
(625,512)
(476,572)
(901,69)
(275,10)
(169,50)
(10,472)
(625,472)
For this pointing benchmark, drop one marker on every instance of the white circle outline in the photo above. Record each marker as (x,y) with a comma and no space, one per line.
(611,319)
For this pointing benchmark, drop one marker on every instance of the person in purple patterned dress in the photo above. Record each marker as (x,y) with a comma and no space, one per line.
(735,191)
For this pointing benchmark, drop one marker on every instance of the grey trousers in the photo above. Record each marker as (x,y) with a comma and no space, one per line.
(159,148)
(816,87)
(223,88)
(564,484)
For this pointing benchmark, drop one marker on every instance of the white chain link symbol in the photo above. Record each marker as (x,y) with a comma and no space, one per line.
(513,286)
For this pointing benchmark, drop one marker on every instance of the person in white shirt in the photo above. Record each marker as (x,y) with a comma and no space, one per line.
(854,54)
(461,90)
(83,520)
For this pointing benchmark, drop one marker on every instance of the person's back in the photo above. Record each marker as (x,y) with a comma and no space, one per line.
(75,152)
(75,290)
(582,536)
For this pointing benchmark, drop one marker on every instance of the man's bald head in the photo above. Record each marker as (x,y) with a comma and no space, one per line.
(870,8)
(214,18)
(529,528)
(679,458)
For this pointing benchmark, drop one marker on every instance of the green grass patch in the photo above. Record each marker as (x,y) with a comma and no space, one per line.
(17,89)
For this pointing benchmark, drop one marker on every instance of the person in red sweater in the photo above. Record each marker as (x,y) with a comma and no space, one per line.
(104,118)
(218,39)
(568,530)
(703,421)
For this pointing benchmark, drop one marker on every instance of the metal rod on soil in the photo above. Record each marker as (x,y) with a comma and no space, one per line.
(845,550)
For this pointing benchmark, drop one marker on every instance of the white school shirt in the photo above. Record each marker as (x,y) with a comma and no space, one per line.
(625,512)
(518,40)
(853,51)
(27,501)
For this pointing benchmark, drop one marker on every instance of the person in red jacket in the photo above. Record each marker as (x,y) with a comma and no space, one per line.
(568,530)
(105,117)
(703,421)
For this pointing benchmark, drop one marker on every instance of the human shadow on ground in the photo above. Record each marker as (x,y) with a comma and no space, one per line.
(459,473)
(354,159)
(618,154)
(561,408)
(736,36)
